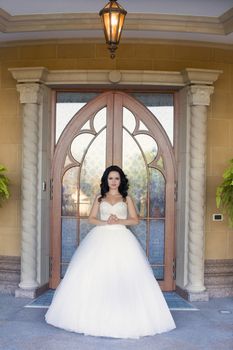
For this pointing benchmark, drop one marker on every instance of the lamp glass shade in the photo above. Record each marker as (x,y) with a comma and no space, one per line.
(113,16)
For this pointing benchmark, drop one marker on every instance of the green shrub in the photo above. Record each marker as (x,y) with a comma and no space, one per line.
(4,185)
(224,193)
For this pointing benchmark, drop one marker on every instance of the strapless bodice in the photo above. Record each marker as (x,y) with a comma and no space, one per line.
(119,209)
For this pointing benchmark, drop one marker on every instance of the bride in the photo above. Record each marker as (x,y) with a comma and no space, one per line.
(109,288)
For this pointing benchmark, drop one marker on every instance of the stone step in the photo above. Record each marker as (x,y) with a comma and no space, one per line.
(11,276)
(219,280)
(9,263)
(8,266)
(7,287)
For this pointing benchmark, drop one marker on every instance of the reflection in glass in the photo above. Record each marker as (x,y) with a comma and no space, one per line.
(156,243)
(148,145)
(158,272)
(74,96)
(69,242)
(100,119)
(69,192)
(79,145)
(129,121)
(135,169)
(92,169)
(85,227)
(157,194)
(140,232)
(160,162)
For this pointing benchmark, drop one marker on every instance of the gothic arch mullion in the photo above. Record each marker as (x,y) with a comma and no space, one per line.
(145,132)
(139,146)
(166,149)
(107,99)
(70,132)
(71,165)
(155,165)
(80,132)
(144,158)
(147,192)
(92,128)
(57,168)
(90,143)
(83,157)
(152,134)
(159,133)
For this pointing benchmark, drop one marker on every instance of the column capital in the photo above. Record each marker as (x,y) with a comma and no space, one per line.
(30,92)
(199,95)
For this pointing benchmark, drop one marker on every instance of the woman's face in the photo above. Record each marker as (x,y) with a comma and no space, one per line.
(114,180)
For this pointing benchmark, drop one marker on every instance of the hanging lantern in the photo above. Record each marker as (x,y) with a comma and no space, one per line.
(113,16)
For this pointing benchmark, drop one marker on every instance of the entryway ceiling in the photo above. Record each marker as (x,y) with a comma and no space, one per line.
(199,20)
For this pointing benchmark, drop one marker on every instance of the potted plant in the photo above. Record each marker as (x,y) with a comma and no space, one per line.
(4,185)
(224,193)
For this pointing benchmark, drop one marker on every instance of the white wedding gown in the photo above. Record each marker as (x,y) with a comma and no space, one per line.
(109,288)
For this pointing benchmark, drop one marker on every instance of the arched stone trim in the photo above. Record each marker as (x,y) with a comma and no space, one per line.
(195,86)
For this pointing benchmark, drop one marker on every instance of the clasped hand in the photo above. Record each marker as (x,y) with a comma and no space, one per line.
(113,219)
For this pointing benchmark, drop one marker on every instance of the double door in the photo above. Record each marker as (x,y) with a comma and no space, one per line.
(114,128)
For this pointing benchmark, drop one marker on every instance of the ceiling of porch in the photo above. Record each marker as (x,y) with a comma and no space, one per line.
(201,21)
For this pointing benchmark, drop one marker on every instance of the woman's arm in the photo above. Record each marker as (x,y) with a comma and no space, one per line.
(92,219)
(132,214)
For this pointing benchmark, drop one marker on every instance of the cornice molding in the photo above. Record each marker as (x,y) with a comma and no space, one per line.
(221,25)
(189,76)
(200,76)
(124,40)
(227,21)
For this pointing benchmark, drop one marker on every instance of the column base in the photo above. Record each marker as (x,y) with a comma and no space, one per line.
(31,293)
(25,293)
(192,296)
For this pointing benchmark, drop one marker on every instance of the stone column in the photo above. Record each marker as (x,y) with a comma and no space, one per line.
(199,99)
(30,95)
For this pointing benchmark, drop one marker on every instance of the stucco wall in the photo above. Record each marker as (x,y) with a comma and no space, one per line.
(167,56)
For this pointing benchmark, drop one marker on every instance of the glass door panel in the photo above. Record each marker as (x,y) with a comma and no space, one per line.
(147,187)
(81,184)
(94,133)
(157,194)
(133,164)
(69,192)
(67,105)
(68,217)
(69,242)
(162,107)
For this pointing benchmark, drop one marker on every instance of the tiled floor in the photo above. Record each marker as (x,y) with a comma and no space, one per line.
(210,328)
(174,301)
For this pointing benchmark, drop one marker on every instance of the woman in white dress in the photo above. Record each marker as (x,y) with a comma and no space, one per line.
(109,288)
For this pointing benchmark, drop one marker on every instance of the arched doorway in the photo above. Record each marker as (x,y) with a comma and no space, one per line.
(114,128)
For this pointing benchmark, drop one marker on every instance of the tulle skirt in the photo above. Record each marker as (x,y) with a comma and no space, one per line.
(109,289)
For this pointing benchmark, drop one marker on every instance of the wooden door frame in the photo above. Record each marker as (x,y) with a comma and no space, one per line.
(68,134)
(59,157)
(161,137)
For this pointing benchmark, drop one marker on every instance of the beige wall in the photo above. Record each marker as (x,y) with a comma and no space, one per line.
(167,56)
